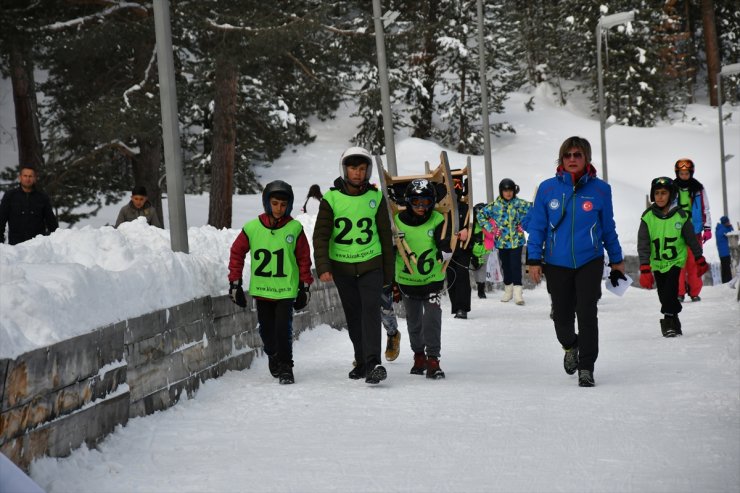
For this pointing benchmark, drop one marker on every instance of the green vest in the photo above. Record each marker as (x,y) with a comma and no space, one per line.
(273,267)
(684,199)
(355,235)
(667,246)
(421,241)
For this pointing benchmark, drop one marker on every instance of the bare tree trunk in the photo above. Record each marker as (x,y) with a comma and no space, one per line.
(146,171)
(423,127)
(30,151)
(462,138)
(224,142)
(711,44)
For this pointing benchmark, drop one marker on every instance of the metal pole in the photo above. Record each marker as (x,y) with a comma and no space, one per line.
(385,94)
(488,166)
(601,102)
(721,143)
(170,129)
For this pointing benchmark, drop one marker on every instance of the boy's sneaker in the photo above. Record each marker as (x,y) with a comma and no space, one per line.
(586,378)
(570,360)
(357,373)
(696,298)
(420,364)
(286,374)
(274,365)
(668,327)
(376,375)
(433,369)
(393,346)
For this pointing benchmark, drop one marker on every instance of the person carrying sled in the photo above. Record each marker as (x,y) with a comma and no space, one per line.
(570,225)
(503,218)
(693,199)
(422,227)
(458,273)
(353,246)
(663,238)
(280,274)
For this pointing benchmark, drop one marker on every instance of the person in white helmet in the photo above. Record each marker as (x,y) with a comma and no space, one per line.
(353,246)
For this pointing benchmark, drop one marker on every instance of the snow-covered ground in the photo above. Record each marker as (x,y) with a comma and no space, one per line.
(663,417)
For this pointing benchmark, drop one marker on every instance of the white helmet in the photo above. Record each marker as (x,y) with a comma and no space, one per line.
(360,154)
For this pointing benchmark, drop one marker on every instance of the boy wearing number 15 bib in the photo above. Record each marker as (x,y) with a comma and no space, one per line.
(353,247)
(664,236)
(280,274)
(422,227)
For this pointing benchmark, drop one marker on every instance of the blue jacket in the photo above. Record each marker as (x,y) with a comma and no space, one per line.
(570,226)
(720,236)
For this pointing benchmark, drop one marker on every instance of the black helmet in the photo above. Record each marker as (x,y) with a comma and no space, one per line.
(421,188)
(477,208)
(283,192)
(508,184)
(665,183)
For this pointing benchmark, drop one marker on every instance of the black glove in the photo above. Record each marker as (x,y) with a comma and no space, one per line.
(236,293)
(475,263)
(302,298)
(615,276)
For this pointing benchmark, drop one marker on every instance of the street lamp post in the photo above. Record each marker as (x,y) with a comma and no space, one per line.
(605,23)
(726,70)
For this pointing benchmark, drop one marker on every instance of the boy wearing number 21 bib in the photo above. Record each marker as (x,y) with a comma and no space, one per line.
(280,274)
(353,247)
(663,238)
(422,227)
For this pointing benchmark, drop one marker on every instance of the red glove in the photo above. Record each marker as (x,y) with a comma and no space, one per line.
(701,266)
(707,235)
(396,293)
(646,277)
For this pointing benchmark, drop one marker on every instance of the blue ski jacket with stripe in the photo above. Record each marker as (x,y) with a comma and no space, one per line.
(570,225)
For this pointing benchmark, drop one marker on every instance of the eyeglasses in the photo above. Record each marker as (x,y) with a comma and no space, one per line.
(421,202)
(576,155)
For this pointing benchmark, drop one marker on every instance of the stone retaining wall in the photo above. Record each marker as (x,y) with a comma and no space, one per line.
(54,399)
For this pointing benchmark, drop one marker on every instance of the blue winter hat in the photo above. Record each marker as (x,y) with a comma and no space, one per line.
(724,220)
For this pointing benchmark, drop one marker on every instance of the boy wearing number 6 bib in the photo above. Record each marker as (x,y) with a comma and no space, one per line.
(280,274)
(664,236)
(422,227)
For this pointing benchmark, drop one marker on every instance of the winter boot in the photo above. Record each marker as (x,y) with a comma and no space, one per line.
(393,346)
(586,378)
(420,364)
(482,290)
(696,298)
(433,369)
(357,372)
(461,314)
(570,361)
(508,293)
(376,375)
(668,326)
(274,365)
(286,373)
(677,325)
(518,299)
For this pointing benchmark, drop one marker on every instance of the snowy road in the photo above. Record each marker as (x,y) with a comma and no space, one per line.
(664,415)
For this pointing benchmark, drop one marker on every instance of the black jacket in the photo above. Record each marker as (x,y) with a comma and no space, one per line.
(27,214)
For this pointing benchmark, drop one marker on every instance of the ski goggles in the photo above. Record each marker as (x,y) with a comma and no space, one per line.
(424,202)
(684,164)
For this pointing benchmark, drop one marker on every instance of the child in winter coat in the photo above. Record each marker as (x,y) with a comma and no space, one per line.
(724,226)
(483,242)
(663,238)
(503,218)
(280,274)
(420,289)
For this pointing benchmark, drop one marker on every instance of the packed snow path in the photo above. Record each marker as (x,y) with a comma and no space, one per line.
(663,417)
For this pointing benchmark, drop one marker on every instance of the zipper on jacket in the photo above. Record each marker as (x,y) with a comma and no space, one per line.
(573,228)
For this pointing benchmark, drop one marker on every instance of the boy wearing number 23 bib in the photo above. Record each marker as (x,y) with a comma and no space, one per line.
(422,227)
(280,274)
(353,247)
(663,238)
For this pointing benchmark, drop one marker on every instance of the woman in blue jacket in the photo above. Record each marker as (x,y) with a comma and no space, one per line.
(570,225)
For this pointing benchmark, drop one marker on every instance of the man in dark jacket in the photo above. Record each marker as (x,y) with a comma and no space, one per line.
(26,210)
(138,206)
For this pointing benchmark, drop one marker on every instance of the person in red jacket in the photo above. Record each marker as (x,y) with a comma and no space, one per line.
(280,274)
